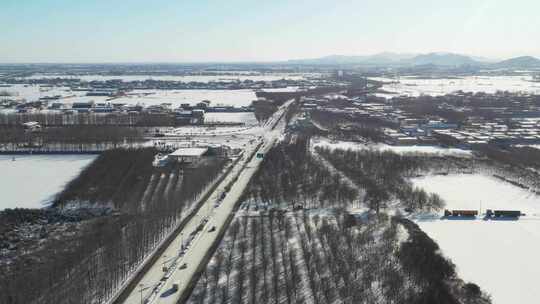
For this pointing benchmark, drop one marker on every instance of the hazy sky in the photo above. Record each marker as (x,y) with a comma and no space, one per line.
(252,30)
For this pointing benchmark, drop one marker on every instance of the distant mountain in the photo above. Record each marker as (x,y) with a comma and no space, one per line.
(484,59)
(414,60)
(394,59)
(523,62)
(377,59)
(388,57)
(443,59)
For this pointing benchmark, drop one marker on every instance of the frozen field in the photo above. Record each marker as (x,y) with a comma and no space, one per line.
(177,97)
(434,87)
(34,92)
(146,97)
(190,78)
(499,255)
(287,89)
(345,145)
(30,180)
(248,117)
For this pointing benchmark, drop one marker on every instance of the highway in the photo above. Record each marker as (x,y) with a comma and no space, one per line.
(156,285)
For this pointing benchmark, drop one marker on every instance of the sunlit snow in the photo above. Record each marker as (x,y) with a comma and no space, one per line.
(29,181)
(501,256)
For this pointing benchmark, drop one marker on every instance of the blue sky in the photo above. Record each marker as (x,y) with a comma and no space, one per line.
(248,30)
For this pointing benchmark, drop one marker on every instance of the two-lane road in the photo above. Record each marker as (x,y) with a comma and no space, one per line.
(156,285)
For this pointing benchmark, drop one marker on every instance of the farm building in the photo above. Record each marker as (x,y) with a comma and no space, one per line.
(187,155)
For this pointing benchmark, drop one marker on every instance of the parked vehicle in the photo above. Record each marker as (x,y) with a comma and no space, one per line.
(503,213)
(463,213)
(489,213)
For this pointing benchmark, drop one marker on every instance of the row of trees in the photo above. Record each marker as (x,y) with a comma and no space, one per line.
(303,257)
(291,176)
(346,126)
(89,264)
(435,275)
(316,255)
(97,119)
(269,102)
(80,137)
(519,166)
(384,176)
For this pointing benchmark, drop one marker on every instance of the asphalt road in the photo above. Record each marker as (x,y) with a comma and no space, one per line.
(156,286)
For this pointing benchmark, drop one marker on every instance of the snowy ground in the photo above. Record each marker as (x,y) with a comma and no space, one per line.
(190,78)
(468,191)
(287,89)
(144,97)
(34,92)
(345,145)
(31,180)
(434,87)
(217,215)
(530,146)
(177,97)
(248,118)
(499,255)
(209,131)
(232,136)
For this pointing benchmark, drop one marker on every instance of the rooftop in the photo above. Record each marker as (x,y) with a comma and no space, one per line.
(189,152)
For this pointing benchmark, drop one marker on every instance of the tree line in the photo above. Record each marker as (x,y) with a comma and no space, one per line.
(273,254)
(80,137)
(96,119)
(89,264)
(307,257)
(291,176)
(384,176)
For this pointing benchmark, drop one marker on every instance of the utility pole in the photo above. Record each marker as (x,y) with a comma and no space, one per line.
(480,207)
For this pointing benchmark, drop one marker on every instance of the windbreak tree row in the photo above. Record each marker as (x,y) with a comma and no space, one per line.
(275,252)
(292,177)
(307,257)
(88,264)
(85,119)
(384,176)
(80,137)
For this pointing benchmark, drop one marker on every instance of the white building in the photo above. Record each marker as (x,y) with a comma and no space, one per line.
(187,155)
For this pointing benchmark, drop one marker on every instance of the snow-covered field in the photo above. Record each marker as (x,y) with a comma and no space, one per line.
(287,89)
(34,92)
(177,97)
(31,180)
(190,78)
(346,145)
(488,84)
(499,255)
(248,117)
(467,191)
(145,97)
(530,146)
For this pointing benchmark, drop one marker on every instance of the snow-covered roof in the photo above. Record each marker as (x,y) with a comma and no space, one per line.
(189,152)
